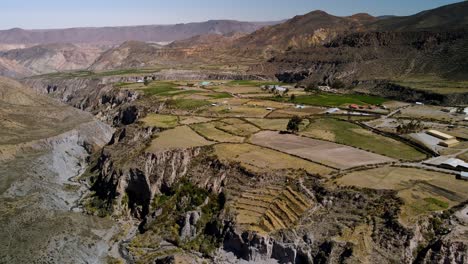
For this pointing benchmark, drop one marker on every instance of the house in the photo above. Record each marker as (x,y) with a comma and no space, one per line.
(205,83)
(419,103)
(439,135)
(455,164)
(300,106)
(449,143)
(464,175)
(270,108)
(140,81)
(332,110)
(354,106)
(465,110)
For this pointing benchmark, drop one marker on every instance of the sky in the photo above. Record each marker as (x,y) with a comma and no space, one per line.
(42,14)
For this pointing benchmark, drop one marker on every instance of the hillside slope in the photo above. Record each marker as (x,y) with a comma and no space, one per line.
(54,57)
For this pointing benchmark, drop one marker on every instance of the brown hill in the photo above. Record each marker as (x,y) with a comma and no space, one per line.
(314,28)
(49,58)
(445,18)
(131,54)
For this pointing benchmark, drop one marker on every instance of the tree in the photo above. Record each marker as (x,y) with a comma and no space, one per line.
(293,124)
(293,97)
(146,82)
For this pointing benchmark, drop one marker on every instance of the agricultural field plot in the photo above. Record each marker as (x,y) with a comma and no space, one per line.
(181,137)
(422,191)
(428,112)
(211,132)
(323,152)
(188,120)
(259,159)
(329,99)
(235,111)
(353,135)
(239,89)
(272,104)
(237,127)
(292,111)
(268,209)
(161,121)
(393,105)
(279,124)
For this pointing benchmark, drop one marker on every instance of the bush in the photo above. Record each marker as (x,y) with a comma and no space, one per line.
(293,124)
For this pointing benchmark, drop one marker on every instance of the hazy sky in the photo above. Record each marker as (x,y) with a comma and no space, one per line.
(70,13)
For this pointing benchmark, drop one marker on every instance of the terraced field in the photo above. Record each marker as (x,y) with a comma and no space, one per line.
(422,191)
(268,209)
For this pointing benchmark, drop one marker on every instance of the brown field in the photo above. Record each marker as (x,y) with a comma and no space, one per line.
(289,112)
(235,111)
(240,89)
(330,154)
(275,124)
(422,191)
(263,103)
(188,120)
(179,137)
(428,112)
(259,159)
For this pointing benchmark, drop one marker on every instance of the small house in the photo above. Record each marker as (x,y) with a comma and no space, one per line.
(449,143)
(439,135)
(464,175)
(354,106)
(455,164)
(332,110)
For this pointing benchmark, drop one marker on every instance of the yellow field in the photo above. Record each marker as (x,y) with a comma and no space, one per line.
(237,127)
(240,89)
(179,137)
(209,131)
(422,191)
(278,124)
(188,120)
(258,159)
(162,121)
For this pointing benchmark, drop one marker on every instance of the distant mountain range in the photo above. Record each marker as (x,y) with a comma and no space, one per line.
(313,47)
(117,35)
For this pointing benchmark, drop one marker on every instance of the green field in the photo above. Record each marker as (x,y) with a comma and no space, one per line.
(165,89)
(353,135)
(328,99)
(187,104)
(162,121)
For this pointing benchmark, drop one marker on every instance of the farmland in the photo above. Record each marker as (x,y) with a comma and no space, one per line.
(353,135)
(422,191)
(330,154)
